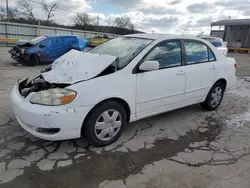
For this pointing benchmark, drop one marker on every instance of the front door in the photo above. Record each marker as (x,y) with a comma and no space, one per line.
(160,90)
(201,70)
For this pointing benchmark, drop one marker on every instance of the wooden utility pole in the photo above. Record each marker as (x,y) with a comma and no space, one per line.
(97,24)
(7,9)
(39,28)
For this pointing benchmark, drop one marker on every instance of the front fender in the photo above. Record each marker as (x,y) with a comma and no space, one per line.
(96,90)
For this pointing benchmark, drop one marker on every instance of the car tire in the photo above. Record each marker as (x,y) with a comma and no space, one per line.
(101,127)
(214,97)
(33,60)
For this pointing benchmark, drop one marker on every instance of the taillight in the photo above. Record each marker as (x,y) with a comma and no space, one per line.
(235,66)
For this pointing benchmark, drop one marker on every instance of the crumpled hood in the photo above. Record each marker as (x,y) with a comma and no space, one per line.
(23,43)
(76,66)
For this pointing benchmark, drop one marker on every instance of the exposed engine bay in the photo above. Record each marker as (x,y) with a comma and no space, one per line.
(37,84)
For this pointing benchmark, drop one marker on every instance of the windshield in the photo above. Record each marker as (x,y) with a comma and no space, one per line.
(38,39)
(125,48)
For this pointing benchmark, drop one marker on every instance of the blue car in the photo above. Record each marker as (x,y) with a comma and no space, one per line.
(45,49)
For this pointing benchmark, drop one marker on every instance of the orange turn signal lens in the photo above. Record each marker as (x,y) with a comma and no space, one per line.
(67,99)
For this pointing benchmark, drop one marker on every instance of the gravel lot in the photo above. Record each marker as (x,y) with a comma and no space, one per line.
(186,148)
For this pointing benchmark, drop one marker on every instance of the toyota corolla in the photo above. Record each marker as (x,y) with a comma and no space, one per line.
(96,93)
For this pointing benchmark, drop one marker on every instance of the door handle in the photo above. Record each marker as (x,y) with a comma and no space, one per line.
(180,72)
(213,67)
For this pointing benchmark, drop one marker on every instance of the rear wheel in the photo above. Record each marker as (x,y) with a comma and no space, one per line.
(33,60)
(214,97)
(105,124)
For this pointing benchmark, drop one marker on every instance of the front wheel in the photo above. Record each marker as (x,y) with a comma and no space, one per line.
(214,97)
(105,124)
(33,60)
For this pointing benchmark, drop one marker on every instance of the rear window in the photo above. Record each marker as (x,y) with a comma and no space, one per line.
(216,43)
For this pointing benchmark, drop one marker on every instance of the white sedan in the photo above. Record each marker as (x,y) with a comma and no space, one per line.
(218,43)
(96,93)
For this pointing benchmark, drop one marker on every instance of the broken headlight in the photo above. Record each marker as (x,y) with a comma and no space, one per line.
(22,50)
(53,97)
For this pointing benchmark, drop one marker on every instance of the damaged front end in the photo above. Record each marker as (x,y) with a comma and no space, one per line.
(37,84)
(18,51)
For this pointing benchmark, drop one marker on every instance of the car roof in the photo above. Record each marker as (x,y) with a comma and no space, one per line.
(209,37)
(55,36)
(161,36)
(215,39)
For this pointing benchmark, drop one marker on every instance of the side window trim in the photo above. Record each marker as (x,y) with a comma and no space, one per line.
(197,41)
(136,68)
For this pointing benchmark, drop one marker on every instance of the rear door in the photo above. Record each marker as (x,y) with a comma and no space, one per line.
(201,70)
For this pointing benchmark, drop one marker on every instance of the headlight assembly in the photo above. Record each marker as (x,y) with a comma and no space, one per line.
(53,97)
(22,51)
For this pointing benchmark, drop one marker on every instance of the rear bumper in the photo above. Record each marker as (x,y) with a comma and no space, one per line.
(33,117)
(231,82)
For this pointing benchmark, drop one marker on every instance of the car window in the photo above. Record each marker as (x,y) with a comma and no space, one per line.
(196,52)
(45,42)
(217,44)
(168,54)
(211,55)
(62,40)
(54,42)
(51,42)
(73,41)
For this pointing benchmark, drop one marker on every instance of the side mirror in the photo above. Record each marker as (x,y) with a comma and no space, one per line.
(42,46)
(149,66)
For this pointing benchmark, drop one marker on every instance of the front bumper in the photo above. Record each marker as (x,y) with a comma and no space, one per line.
(18,56)
(33,117)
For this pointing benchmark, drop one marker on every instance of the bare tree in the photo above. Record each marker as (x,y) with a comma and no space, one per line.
(131,27)
(3,15)
(110,21)
(122,22)
(49,10)
(13,14)
(26,8)
(83,19)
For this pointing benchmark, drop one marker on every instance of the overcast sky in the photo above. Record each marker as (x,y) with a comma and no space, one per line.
(160,16)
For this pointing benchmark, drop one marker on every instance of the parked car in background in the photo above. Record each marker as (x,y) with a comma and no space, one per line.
(96,93)
(45,49)
(98,40)
(218,43)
